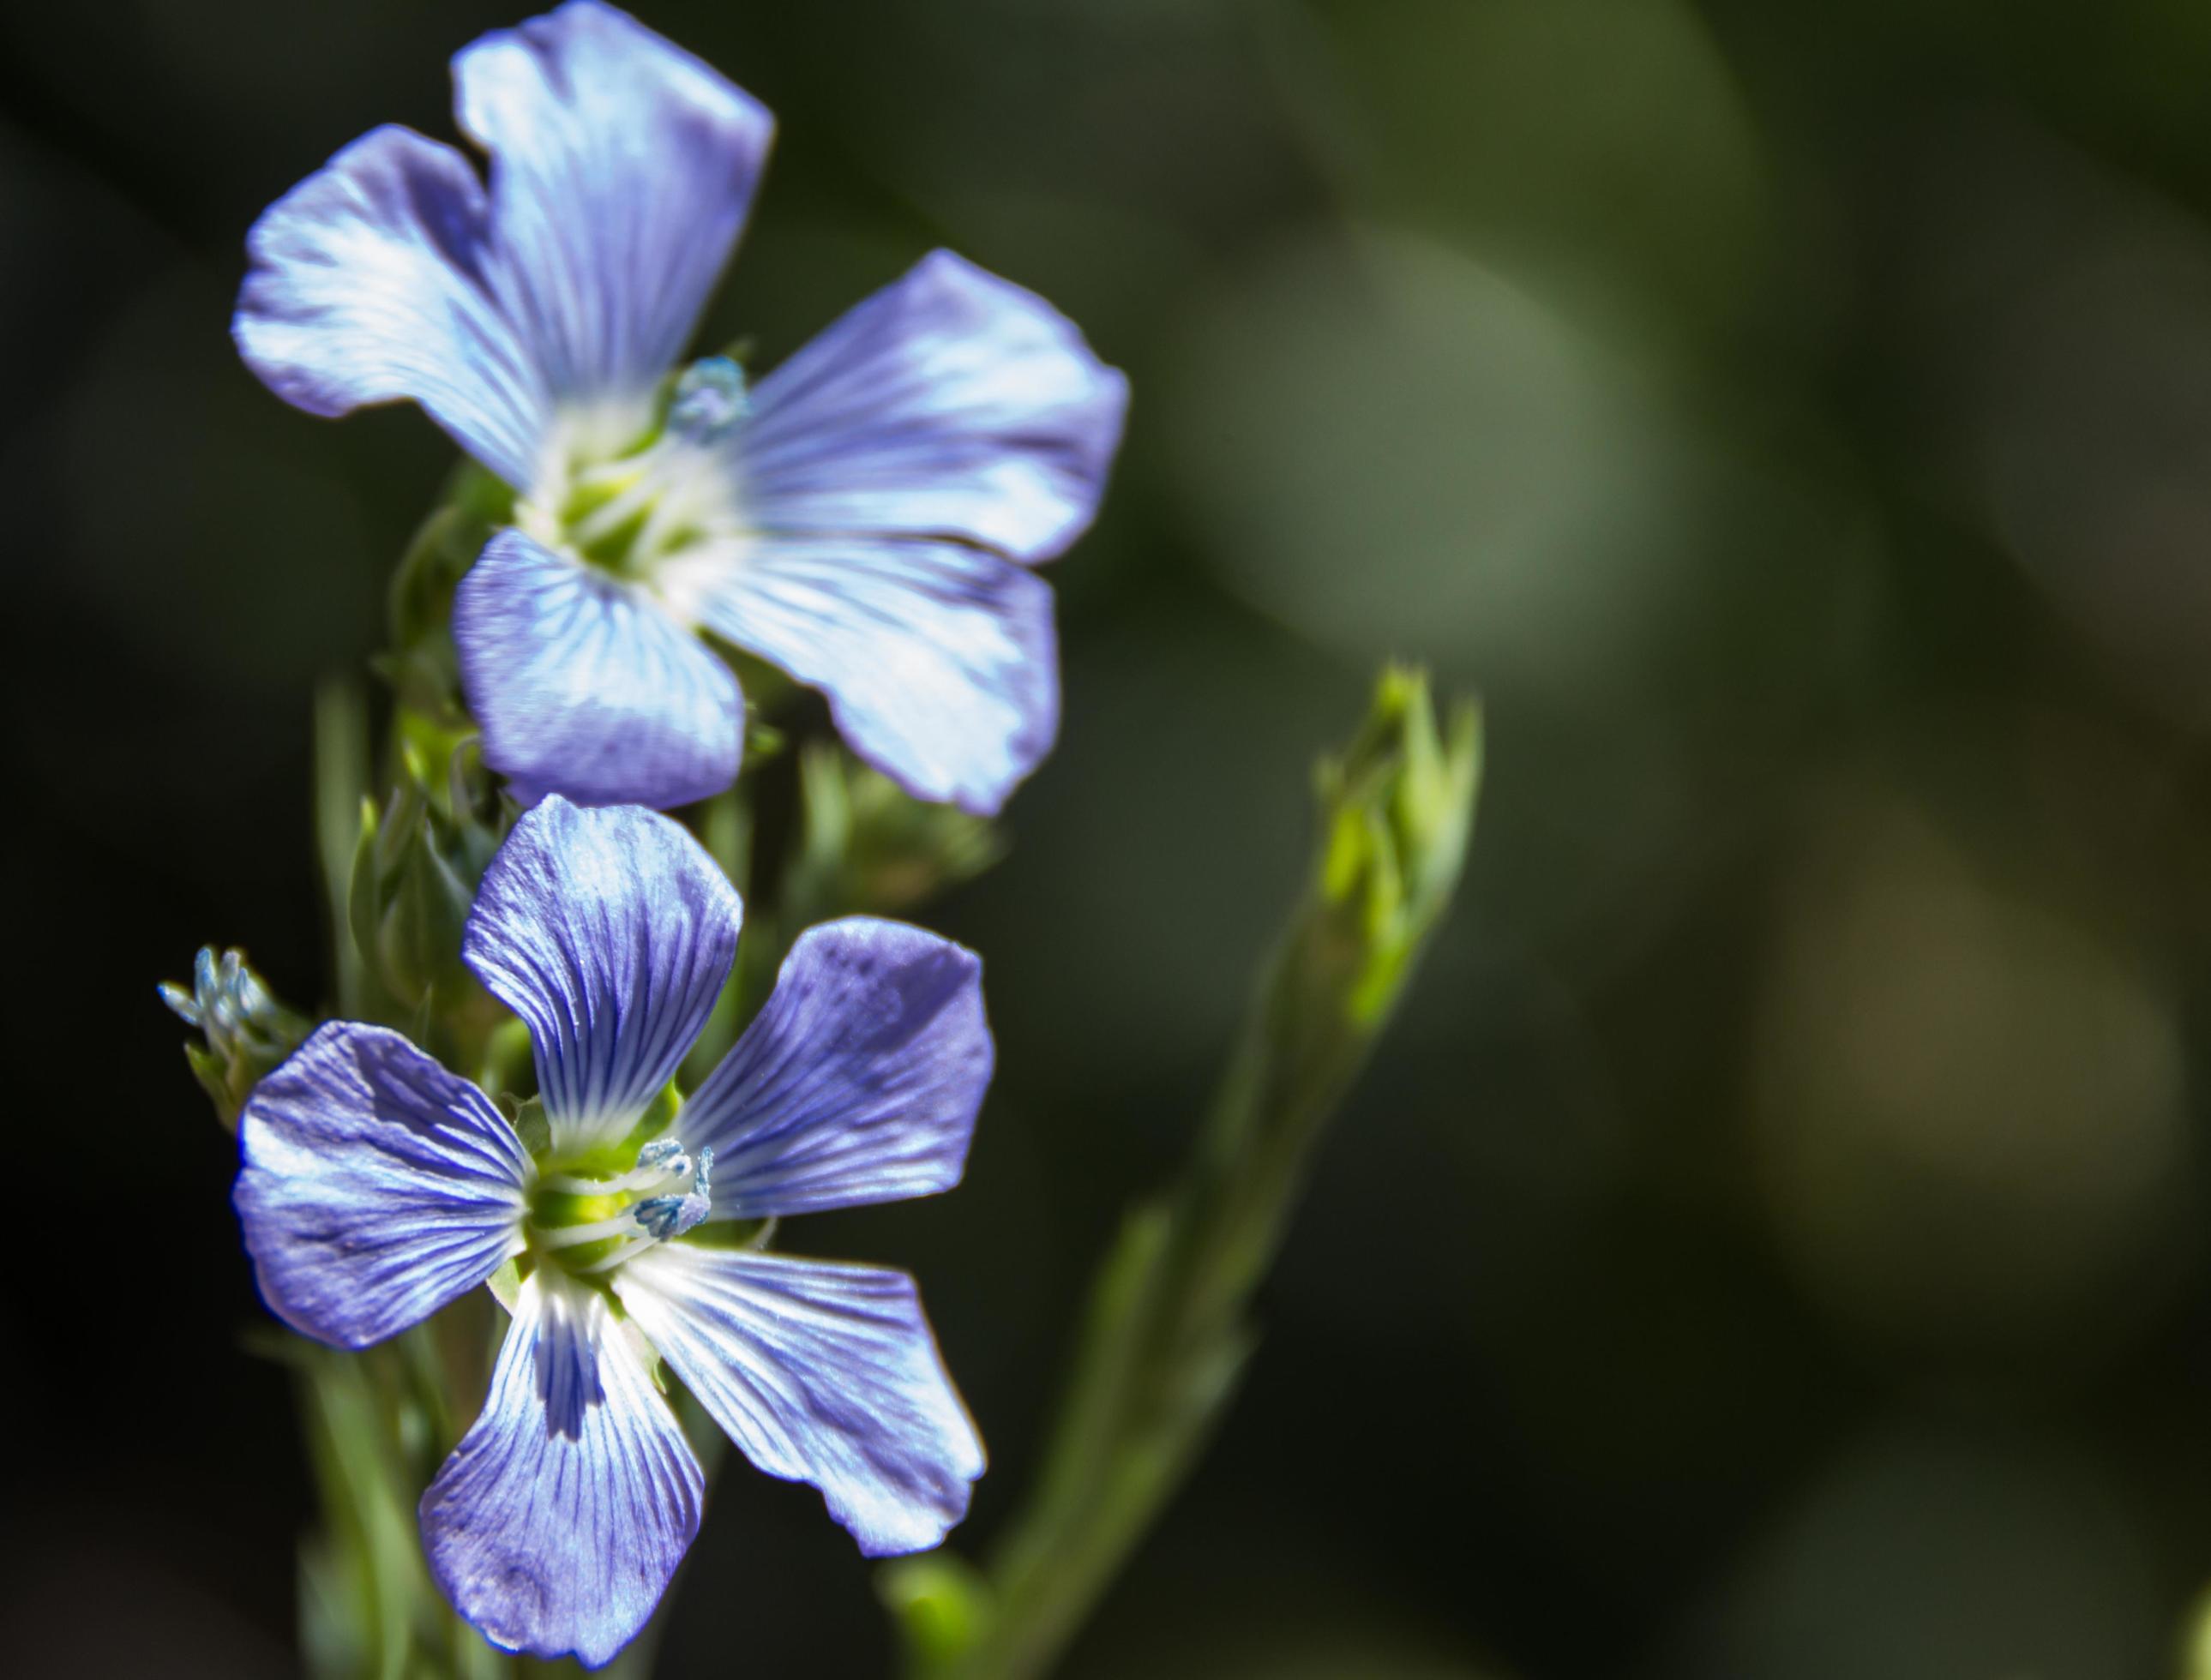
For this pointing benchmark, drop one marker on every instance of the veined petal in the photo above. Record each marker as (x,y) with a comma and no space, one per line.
(820,1373)
(372,280)
(610,931)
(556,1524)
(951,403)
(621,170)
(939,660)
(376,1187)
(585,687)
(859,1081)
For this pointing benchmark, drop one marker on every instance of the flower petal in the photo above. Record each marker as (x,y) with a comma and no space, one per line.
(610,931)
(950,403)
(858,1081)
(621,170)
(821,1373)
(376,1187)
(372,280)
(584,687)
(939,660)
(556,1524)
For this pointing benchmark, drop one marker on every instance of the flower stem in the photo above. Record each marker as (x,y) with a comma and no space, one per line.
(1168,1329)
(340,780)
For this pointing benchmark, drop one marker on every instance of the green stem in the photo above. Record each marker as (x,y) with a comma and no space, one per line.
(1166,1333)
(341,782)
(378,1421)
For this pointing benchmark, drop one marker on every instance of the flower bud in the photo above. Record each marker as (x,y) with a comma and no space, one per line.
(244,1031)
(1397,810)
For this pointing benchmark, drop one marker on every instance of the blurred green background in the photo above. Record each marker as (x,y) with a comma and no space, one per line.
(1770,1244)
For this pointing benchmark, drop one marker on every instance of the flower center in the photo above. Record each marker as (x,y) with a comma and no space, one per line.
(586,1225)
(627,513)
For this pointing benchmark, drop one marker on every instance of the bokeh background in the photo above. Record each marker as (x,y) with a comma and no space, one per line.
(1770,1244)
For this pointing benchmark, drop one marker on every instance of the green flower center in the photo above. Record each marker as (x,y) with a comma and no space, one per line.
(668,492)
(588,1224)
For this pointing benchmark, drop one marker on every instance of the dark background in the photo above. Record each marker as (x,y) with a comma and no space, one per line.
(1770,1244)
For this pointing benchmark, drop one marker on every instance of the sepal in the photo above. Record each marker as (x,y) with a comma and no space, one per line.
(533,1128)
(505,1283)
(415,868)
(245,1031)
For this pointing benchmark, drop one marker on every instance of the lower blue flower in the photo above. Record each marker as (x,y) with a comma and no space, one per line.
(376,1187)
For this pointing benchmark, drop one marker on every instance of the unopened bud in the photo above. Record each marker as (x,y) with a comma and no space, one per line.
(244,1031)
(1396,812)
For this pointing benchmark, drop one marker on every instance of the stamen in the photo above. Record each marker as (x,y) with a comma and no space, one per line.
(663,1166)
(666,1152)
(628,514)
(629,1250)
(676,489)
(660,1162)
(568,1237)
(636,500)
(663,1216)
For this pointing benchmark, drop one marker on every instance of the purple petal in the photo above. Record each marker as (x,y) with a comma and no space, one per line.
(939,660)
(820,1373)
(951,403)
(584,687)
(556,1524)
(376,1187)
(371,281)
(859,1081)
(621,170)
(610,931)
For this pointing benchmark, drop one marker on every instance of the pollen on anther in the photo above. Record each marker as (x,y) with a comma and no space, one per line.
(710,400)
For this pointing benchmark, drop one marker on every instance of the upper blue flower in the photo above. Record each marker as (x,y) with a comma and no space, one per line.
(864,518)
(376,1187)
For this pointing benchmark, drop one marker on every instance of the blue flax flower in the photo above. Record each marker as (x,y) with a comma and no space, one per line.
(376,1187)
(865,518)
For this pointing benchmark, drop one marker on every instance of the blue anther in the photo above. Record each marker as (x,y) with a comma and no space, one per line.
(663,1216)
(664,1154)
(710,400)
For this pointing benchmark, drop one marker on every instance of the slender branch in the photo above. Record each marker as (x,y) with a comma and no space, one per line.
(1167,1331)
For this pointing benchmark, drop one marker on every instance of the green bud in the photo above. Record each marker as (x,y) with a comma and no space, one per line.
(244,1031)
(942,1606)
(869,845)
(415,867)
(1397,810)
